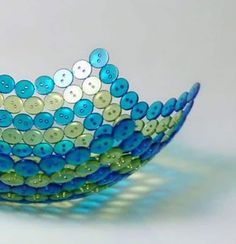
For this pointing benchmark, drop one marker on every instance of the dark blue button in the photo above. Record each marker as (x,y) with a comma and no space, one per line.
(143,147)
(158,137)
(52,164)
(63,116)
(98,57)
(154,110)
(129,100)
(5,148)
(108,73)
(50,189)
(44,85)
(74,184)
(4,188)
(78,155)
(23,122)
(151,152)
(93,121)
(24,190)
(5,118)
(169,107)
(109,179)
(99,174)
(132,141)
(119,87)
(21,150)
(101,144)
(43,150)
(63,147)
(193,91)
(24,89)
(26,168)
(139,110)
(83,108)
(103,130)
(181,102)
(123,129)
(7,84)
(6,163)
(43,120)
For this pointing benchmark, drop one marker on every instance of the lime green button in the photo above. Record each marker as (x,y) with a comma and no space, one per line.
(112,112)
(74,129)
(110,157)
(163,125)
(88,168)
(86,188)
(102,99)
(176,118)
(83,140)
(53,101)
(12,136)
(123,162)
(61,196)
(139,124)
(123,116)
(1,100)
(132,166)
(12,179)
(39,180)
(11,197)
(149,128)
(13,104)
(32,137)
(63,176)
(36,198)
(53,135)
(33,105)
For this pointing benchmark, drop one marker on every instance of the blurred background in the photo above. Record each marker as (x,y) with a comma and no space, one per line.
(187,193)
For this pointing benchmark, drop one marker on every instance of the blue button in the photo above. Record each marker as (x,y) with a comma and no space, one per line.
(181,102)
(6,163)
(98,58)
(78,155)
(158,137)
(83,108)
(7,84)
(99,174)
(23,122)
(24,89)
(110,179)
(52,164)
(24,190)
(26,168)
(4,188)
(151,152)
(63,116)
(103,130)
(63,147)
(123,129)
(21,150)
(101,144)
(44,85)
(188,109)
(119,87)
(93,121)
(43,120)
(169,107)
(154,110)
(5,118)
(108,74)
(74,184)
(132,141)
(139,110)
(193,91)
(50,189)
(43,150)
(4,147)
(143,147)
(129,100)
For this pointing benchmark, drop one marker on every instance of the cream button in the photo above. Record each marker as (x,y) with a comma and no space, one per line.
(72,94)
(82,69)
(92,85)
(63,78)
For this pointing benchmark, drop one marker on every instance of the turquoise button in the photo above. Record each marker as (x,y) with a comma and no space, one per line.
(78,156)
(23,122)
(103,130)
(63,116)
(6,163)
(98,58)
(108,74)
(193,91)
(4,148)
(24,89)
(101,144)
(7,84)
(119,87)
(168,107)
(43,150)
(83,108)
(63,147)
(129,100)
(44,85)
(21,150)
(52,164)
(139,110)
(26,168)
(5,118)
(93,121)
(43,120)
(181,102)
(154,110)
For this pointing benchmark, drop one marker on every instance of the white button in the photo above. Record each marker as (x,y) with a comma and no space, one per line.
(72,94)
(82,69)
(63,78)
(92,85)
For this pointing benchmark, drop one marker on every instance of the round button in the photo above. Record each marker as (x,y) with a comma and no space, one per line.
(139,110)
(154,110)
(109,73)
(82,69)
(44,85)
(42,150)
(53,135)
(12,179)
(32,137)
(37,198)
(112,112)
(7,84)
(93,121)
(6,163)
(72,94)
(132,141)
(123,129)
(63,147)
(23,122)
(83,140)
(43,120)
(74,129)
(24,190)
(181,102)
(98,57)
(91,85)
(39,180)
(193,92)
(87,168)
(103,130)
(21,150)
(163,125)
(119,87)
(110,157)
(139,124)
(52,164)
(102,99)
(13,104)
(24,89)
(78,155)
(33,105)
(12,136)
(101,144)
(50,189)
(123,162)
(63,116)
(63,78)
(150,128)
(129,100)
(74,184)
(143,147)
(5,118)
(53,101)
(100,174)
(83,108)
(63,176)
(26,168)
(169,107)
(4,148)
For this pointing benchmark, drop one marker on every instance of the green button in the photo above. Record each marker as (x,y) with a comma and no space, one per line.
(123,116)
(83,140)
(39,180)
(32,137)
(12,136)
(36,198)
(175,119)
(102,99)
(13,104)
(132,166)
(53,135)
(163,124)
(53,101)
(61,196)
(139,124)
(149,128)
(63,176)
(112,112)
(86,188)
(74,130)
(123,162)
(87,168)
(34,105)
(34,158)
(12,179)
(11,197)
(1,100)
(110,157)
